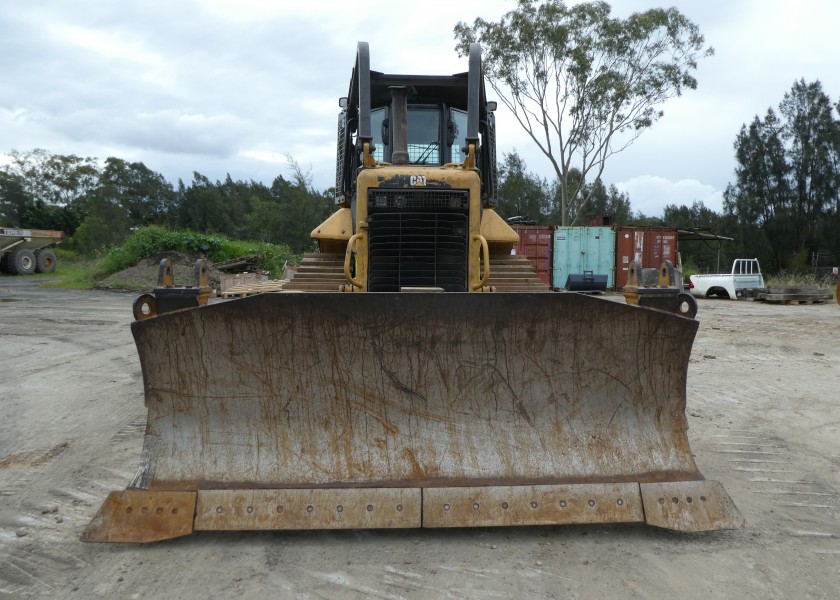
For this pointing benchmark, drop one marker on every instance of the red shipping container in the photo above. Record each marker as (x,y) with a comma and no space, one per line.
(536,242)
(649,245)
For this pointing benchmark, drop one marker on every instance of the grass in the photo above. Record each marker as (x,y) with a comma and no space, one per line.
(74,274)
(803,280)
(799,280)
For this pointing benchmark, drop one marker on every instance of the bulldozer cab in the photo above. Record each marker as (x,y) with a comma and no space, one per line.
(415,186)
(414,120)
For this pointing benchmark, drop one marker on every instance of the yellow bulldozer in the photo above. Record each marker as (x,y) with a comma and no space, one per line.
(414,373)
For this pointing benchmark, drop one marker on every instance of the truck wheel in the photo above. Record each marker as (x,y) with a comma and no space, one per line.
(45,261)
(21,262)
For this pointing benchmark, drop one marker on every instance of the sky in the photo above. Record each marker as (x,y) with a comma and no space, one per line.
(237,87)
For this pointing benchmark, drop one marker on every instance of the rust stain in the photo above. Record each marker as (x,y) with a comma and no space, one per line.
(361,391)
(418,473)
(142,516)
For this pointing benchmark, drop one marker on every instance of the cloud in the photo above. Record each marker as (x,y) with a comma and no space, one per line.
(651,193)
(216,87)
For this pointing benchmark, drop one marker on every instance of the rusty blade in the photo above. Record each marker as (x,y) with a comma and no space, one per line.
(345,390)
(142,516)
(690,506)
(532,505)
(363,508)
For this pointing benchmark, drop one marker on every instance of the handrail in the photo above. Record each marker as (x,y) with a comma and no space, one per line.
(347,255)
(485,251)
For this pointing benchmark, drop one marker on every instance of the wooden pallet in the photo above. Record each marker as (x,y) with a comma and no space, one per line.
(250,288)
(794,295)
(781,299)
(243,263)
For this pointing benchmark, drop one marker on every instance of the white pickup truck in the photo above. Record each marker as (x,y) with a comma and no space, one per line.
(745,275)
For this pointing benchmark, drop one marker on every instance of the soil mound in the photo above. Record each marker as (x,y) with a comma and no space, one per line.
(143,276)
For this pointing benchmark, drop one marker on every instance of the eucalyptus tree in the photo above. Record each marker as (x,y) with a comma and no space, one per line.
(583,84)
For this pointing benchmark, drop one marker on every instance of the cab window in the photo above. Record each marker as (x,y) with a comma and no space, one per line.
(377,118)
(424,136)
(458,134)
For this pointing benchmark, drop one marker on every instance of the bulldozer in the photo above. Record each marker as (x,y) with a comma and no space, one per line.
(414,373)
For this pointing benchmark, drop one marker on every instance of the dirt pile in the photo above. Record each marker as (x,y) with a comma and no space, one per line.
(143,276)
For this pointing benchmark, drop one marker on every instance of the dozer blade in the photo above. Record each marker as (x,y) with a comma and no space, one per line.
(320,411)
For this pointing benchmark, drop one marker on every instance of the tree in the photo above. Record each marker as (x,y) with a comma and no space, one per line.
(55,178)
(521,194)
(19,209)
(299,208)
(201,206)
(813,153)
(787,176)
(582,84)
(106,222)
(240,199)
(144,194)
(14,200)
(604,201)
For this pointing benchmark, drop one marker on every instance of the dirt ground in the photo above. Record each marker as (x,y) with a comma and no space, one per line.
(764,411)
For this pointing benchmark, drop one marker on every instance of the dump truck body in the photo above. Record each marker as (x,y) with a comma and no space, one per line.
(414,373)
(26,251)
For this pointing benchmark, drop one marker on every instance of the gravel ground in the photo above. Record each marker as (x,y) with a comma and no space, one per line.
(763,395)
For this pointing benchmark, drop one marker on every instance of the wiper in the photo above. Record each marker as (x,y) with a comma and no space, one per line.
(425,156)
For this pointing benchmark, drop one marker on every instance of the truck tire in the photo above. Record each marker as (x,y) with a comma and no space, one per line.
(45,261)
(21,262)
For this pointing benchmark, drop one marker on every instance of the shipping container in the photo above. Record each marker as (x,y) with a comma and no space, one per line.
(578,250)
(649,245)
(535,242)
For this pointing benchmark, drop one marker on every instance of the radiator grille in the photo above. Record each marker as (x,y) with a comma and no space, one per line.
(417,249)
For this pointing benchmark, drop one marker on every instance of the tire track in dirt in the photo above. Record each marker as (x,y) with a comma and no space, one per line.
(770,413)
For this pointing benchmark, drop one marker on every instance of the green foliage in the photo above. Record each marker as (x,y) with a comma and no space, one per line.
(144,195)
(153,240)
(295,210)
(604,201)
(98,204)
(582,84)
(800,262)
(72,271)
(521,193)
(14,200)
(689,268)
(54,178)
(787,182)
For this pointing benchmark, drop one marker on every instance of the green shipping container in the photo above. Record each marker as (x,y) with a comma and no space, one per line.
(578,250)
